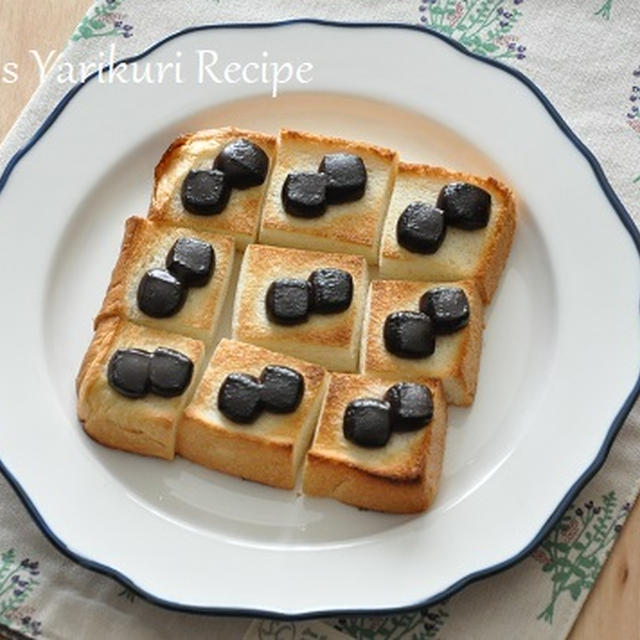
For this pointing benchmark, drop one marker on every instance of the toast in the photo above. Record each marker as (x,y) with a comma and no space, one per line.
(270,449)
(145,425)
(478,254)
(349,227)
(456,358)
(331,340)
(197,151)
(401,477)
(145,246)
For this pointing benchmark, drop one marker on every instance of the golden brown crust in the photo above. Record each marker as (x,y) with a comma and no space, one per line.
(351,227)
(457,356)
(241,216)
(330,340)
(145,246)
(268,451)
(146,425)
(480,254)
(401,477)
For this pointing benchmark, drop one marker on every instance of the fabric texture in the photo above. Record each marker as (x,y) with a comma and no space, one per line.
(585,57)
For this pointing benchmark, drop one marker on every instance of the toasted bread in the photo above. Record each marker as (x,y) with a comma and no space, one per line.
(456,358)
(271,449)
(351,227)
(145,246)
(329,340)
(480,254)
(241,217)
(400,477)
(144,425)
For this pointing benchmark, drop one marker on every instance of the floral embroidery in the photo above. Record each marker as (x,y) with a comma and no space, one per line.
(409,626)
(127,594)
(633,114)
(434,619)
(605,10)
(575,550)
(17,581)
(482,26)
(104,21)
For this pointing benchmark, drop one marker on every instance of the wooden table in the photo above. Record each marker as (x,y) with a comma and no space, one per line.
(613,607)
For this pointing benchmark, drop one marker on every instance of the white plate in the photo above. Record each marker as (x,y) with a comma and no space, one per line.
(561,349)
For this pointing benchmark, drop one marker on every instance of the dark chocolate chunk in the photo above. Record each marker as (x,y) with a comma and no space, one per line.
(331,290)
(421,228)
(239,398)
(282,389)
(244,163)
(367,422)
(206,192)
(288,301)
(346,177)
(304,195)
(169,372)
(409,334)
(411,406)
(192,261)
(465,206)
(160,294)
(128,372)
(447,307)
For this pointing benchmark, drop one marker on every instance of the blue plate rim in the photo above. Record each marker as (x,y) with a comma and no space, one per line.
(564,504)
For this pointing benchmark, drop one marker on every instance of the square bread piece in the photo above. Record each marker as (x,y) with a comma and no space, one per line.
(140,425)
(456,358)
(241,217)
(351,227)
(331,340)
(401,477)
(145,246)
(480,254)
(269,450)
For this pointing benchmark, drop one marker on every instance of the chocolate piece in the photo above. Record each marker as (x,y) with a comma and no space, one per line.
(192,261)
(160,294)
(421,228)
(304,194)
(169,372)
(367,422)
(282,389)
(346,177)
(244,163)
(465,206)
(288,301)
(205,193)
(128,372)
(409,334)
(239,398)
(411,406)
(331,290)
(447,307)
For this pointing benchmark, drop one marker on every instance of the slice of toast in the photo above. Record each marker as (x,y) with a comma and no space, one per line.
(329,340)
(140,425)
(456,358)
(351,227)
(479,254)
(195,151)
(271,449)
(145,246)
(401,477)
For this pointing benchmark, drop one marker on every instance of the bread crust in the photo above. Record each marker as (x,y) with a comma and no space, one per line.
(457,356)
(401,477)
(241,217)
(479,254)
(144,246)
(353,227)
(268,451)
(147,425)
(330,340)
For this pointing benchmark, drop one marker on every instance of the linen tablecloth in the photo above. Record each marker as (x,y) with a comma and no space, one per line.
(585,56)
